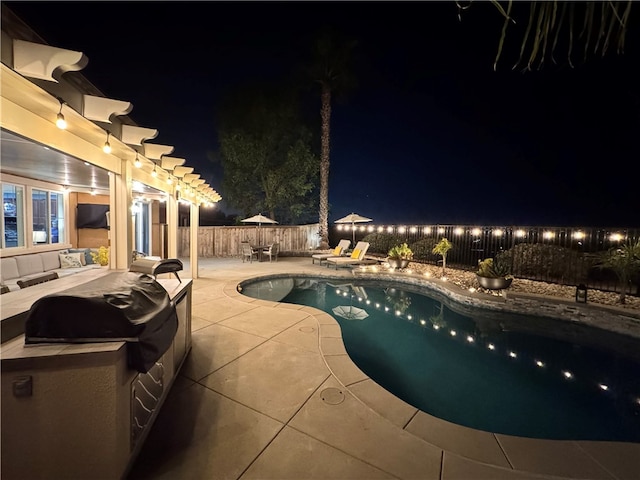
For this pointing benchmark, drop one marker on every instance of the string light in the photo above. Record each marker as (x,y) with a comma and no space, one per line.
(61,123)
(106,148)
(137,162)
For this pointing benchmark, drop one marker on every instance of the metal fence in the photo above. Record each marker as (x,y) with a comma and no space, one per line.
(564,255)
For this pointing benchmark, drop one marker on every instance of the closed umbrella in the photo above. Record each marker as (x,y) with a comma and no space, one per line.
(259,219)
(353,218)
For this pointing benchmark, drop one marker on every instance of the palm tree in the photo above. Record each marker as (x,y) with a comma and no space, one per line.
(598,26)
(442,248)
(330,70)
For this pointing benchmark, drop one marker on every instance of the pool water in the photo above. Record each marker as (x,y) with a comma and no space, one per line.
(510,374)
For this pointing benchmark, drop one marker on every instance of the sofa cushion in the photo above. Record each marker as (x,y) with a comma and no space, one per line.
(9,269)
(50,260)
(29,264)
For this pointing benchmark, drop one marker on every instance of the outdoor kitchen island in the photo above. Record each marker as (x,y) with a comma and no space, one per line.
(83,410)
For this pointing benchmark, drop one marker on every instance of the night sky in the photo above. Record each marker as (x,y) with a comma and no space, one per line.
(431,134)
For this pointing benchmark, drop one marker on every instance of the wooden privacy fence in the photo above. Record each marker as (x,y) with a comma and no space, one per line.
(225,241)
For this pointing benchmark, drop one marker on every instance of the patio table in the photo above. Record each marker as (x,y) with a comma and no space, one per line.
(259,249)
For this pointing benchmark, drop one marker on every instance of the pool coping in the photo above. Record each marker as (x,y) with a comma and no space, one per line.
(546,458)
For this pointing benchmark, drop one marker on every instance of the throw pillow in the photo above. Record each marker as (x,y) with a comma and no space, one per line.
(70,260)
(83,251)
(356,253)
(336,251)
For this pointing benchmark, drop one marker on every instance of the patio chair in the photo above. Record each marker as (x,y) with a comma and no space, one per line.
(248,253)
(356,257)
(336,252)
(272,251)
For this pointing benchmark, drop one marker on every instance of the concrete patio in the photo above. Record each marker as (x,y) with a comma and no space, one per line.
(268,392)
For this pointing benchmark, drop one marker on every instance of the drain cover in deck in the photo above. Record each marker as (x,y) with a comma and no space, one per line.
(332,396)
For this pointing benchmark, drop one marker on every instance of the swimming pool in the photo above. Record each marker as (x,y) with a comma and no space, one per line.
(511,374)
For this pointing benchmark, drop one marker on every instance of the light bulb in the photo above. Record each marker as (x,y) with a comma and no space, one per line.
(61,123)
(106,148)
(137,162)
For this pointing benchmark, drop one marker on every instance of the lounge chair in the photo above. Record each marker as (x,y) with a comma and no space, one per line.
(356,257)
(336,252)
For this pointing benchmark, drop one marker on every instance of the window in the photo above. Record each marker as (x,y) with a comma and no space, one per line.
(23,204)
(12,216)
(48,217)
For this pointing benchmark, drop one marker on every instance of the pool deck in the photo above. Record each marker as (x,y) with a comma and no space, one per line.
(269,392)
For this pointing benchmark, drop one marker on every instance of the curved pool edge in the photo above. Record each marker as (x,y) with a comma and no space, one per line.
(497,451)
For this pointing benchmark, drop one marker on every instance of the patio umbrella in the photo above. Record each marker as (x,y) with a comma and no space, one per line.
(259,219)
(350,313)
(353,218)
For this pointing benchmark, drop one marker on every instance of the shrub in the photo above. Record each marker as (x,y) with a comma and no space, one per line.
(382,242)
(423,249)
(552,262)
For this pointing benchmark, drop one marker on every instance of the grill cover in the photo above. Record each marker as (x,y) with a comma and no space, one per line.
(121,306)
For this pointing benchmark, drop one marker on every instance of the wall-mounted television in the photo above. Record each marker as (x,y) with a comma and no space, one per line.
(89,215)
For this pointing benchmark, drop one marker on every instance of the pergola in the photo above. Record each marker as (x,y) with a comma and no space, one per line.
(39,84)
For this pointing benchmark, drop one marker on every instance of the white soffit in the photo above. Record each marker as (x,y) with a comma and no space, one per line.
(39,61)
(100,109)
(155,152)
(133,135)
(169,163)
(182,171)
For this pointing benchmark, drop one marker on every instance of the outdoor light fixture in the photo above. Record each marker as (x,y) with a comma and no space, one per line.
(61,123)
(581,293)
(169,180)
(137,162)
(154,174)
(106,148)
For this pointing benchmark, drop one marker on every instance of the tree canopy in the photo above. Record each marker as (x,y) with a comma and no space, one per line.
(266,155)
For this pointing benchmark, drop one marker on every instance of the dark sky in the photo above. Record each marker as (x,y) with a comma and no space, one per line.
(432,134)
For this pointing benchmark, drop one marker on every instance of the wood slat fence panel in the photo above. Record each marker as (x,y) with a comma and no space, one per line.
(225,241)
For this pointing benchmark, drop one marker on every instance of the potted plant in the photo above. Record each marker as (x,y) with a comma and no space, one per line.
(494,274)
(399,256)
(442,248)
